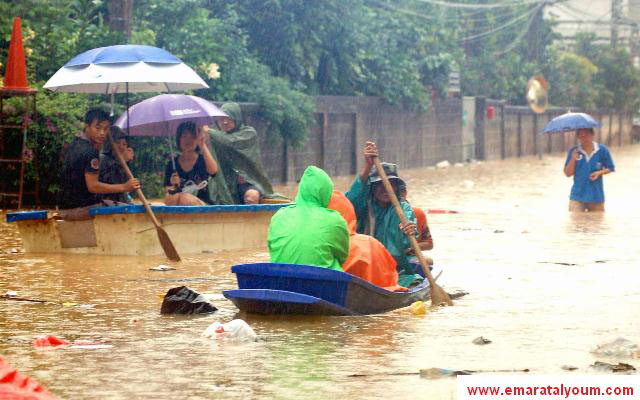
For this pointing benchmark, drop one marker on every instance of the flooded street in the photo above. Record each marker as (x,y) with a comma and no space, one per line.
(544,286)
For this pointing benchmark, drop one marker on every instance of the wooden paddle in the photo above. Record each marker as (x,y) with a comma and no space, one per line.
(165,241)
(438,295)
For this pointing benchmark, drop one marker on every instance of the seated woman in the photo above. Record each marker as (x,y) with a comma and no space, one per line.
(368,258)
(185,174)
(111,171)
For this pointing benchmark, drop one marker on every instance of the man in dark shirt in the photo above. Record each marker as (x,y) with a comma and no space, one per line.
(79,179)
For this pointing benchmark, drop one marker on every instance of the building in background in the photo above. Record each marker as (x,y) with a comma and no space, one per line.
(612,21)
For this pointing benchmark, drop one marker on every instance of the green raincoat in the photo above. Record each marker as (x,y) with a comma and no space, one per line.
(238,153)
(307,232)
(386,227)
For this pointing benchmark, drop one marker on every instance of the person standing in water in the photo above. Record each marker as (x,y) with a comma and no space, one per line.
(587,163)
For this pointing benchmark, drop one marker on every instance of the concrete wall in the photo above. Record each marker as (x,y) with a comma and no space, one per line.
(452,129)
(341,125)
(505,131)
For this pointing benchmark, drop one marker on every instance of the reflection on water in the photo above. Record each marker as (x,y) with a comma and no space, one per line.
(545,286)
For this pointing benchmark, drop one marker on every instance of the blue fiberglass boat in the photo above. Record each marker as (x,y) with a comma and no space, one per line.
(267,288)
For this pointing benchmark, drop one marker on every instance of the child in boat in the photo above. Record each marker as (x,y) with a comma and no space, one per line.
(110,169)
(185,176)
(368,258)
(377,217)
(425,241)
(80,182)
(307,232)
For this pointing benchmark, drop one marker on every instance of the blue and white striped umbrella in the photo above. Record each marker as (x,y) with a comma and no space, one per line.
(125,68)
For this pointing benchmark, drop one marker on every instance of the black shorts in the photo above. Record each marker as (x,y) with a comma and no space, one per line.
(243,188)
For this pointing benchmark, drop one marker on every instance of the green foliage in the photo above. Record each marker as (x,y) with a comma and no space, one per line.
(352,47)
(54,31)
(203,33)
(594,76)
(278,53)
(573,81)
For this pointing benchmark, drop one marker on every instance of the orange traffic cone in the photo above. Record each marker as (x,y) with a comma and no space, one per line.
(15,78)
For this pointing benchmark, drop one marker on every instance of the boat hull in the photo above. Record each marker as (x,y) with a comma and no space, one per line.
(267,288)
(127,230)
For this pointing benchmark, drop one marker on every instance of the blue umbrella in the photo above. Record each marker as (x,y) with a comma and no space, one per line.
(124,69)
(571,122)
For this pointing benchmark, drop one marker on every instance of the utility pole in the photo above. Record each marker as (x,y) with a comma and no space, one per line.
(616,16)
(533,35)
(120,15)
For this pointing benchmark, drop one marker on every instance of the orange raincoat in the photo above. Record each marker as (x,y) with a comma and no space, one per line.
(368,258)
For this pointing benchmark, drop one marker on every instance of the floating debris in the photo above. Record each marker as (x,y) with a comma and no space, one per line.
(481,341)
(569,368)
(434,373)
(498,231)
(468,184)
(235,331)
(52,341)
(620,347)
(182,300)
(162,267)
(418,308)
(457,294)
(443,164)
(620,367)
(558,263)
(11,293)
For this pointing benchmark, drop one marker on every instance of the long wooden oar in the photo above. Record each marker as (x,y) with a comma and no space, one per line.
(438,295)
(165,241)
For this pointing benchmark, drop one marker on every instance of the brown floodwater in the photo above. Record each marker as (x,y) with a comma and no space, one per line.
(544,286)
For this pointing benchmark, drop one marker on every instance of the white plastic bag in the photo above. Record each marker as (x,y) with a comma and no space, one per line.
(620,347)
(235,331)
(193,188)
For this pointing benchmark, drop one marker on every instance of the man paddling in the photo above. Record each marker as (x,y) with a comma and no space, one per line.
(376,216)
(79,180)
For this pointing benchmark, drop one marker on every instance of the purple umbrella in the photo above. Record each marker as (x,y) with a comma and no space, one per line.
(160,115)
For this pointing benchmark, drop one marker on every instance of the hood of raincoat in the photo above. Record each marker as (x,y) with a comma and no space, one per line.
(235,113)
(340,203)
(315,188)
(307,232)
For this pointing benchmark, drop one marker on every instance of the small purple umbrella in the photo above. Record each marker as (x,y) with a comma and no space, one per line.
(160,115)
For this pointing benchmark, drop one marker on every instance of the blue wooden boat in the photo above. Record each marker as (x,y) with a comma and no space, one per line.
(267,288)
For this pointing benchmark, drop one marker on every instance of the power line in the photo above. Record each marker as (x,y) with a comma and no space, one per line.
(501,27)
(513,44)
(466,18)
(483,6)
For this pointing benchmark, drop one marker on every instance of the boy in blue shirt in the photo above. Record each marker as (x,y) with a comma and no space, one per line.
(587,162)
